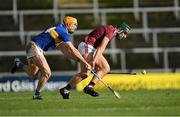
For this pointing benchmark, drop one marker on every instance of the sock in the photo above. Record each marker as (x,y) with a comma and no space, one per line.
(91,84)
(68,87)
(19,65)
(37,93)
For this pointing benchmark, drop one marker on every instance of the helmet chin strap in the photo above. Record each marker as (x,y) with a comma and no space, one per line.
(68,29)
(118,37)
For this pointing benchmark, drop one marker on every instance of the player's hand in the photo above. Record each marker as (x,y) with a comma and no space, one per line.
(92,63)
(88,67)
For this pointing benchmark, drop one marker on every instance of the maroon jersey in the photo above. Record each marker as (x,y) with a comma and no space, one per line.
(98,34)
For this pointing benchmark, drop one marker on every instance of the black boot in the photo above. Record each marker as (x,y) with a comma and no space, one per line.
(90,91)
(15,67)
(65,93)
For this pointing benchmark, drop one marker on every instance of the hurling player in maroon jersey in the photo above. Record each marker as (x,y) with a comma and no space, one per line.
(92,48)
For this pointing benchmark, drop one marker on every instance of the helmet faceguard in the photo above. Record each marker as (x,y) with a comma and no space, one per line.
(70,23)
(124,27)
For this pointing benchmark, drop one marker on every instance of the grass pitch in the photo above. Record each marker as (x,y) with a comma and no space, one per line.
(137,102)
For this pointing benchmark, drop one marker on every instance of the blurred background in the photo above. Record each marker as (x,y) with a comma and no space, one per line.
(153,43)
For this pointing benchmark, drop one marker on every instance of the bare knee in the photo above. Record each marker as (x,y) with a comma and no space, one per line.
(46,74)
(34,76)
(106,69)
(82,75)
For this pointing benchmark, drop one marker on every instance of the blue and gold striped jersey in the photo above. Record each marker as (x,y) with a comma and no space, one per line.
(51,37)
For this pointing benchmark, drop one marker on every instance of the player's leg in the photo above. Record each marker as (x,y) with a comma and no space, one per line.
(76,78)
(36,62)
(41,63)
(65,91)
(31,69)
(102,68)
(84,72)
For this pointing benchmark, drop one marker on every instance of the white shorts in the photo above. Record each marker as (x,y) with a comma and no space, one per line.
(86,48)
(33,50)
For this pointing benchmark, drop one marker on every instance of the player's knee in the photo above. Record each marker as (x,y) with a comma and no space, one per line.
(106,69)
(46,74)
(34,77)
(83,75)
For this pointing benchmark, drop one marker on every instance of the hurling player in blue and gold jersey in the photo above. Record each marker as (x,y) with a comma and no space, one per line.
(55,37)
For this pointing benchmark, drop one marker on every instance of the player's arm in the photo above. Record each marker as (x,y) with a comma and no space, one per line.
(100,49)
(68,49)
(76,55)
(62,47)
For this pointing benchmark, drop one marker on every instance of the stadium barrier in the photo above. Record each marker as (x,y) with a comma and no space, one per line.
(24,83)
(133,82)
(116,81)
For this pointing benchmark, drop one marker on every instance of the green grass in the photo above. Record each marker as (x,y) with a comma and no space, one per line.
(139,102)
